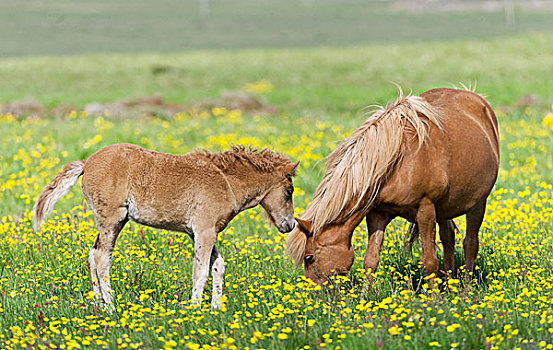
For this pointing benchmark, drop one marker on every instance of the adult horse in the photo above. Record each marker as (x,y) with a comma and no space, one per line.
(197,193)
(427,158)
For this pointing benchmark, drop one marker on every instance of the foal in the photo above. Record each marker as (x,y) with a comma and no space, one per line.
(198,193)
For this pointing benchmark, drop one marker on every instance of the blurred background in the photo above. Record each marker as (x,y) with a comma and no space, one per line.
(33,27)
(296,56)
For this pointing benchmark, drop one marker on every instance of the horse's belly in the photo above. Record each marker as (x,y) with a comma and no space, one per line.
(454,187)
(460,200)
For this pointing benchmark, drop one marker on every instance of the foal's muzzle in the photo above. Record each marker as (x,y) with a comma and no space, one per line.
(286,224)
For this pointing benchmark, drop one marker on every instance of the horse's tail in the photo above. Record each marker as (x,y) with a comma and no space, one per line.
(56,189)
(414,233)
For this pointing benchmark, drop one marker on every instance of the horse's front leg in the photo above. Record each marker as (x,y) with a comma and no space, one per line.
(204,241)
(217,274)
(376,225)
(426,220)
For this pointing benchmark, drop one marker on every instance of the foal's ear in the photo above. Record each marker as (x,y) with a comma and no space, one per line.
(291,170)
(304,224)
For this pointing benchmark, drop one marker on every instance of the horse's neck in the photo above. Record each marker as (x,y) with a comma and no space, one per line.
(248,187)
(341,232)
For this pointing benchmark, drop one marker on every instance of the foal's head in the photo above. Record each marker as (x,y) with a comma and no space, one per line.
(268,174)
(329,253)
(277,202)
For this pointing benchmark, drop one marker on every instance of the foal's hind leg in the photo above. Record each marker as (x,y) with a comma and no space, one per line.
(100,256)
(217,274)
(471,243)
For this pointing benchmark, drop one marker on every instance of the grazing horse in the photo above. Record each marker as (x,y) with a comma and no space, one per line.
(197,193)
(427,158)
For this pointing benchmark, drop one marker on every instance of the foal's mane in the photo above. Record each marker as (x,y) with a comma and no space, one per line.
(264,160)
(360,165)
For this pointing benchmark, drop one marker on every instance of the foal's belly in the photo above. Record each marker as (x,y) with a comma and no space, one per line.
(158,217)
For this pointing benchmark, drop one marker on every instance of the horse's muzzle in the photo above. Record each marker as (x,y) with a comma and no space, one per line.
(286,224)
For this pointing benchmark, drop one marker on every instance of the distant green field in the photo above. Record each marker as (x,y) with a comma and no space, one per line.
(317,80)
(83,26)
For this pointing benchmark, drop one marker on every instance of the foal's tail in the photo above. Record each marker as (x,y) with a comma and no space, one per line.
(55,190)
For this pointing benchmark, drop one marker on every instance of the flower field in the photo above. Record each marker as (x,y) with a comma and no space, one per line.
(45,292)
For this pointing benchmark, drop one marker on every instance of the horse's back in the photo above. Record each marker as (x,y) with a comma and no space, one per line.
(462,104)
(457,165)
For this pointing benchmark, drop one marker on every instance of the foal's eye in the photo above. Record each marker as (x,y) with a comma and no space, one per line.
(308,259)
(289,192)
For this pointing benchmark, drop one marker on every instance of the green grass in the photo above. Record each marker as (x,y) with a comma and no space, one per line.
(44,281)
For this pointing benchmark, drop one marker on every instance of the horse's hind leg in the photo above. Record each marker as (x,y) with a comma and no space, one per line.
(217,274)
(426,221)
(100,256)
(471,242)
(447,236)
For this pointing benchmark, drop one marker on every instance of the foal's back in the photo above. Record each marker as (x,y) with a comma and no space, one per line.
(157,189)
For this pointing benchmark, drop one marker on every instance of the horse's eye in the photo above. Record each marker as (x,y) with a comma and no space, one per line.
(308,259)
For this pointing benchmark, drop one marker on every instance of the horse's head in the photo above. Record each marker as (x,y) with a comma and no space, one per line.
(329,253)
(278,200)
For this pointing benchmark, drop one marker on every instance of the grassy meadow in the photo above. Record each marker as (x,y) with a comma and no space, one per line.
(45,294)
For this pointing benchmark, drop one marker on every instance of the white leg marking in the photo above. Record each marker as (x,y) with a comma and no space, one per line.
(218,274)
(103,267)
(94,274)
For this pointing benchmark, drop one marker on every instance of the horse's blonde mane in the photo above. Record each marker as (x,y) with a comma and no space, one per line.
(470,88)
(359,166)
(295,245)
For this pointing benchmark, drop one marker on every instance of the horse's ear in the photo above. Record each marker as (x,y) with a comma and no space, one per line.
(304,224)
(292,168)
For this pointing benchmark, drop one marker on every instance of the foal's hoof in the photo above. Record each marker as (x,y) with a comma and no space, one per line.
(107,307)
(196,303)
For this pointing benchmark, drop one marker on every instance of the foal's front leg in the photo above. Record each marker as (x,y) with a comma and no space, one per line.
(204,241)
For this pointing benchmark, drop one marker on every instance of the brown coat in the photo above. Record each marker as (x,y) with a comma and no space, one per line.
(198,193)
(437,174)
